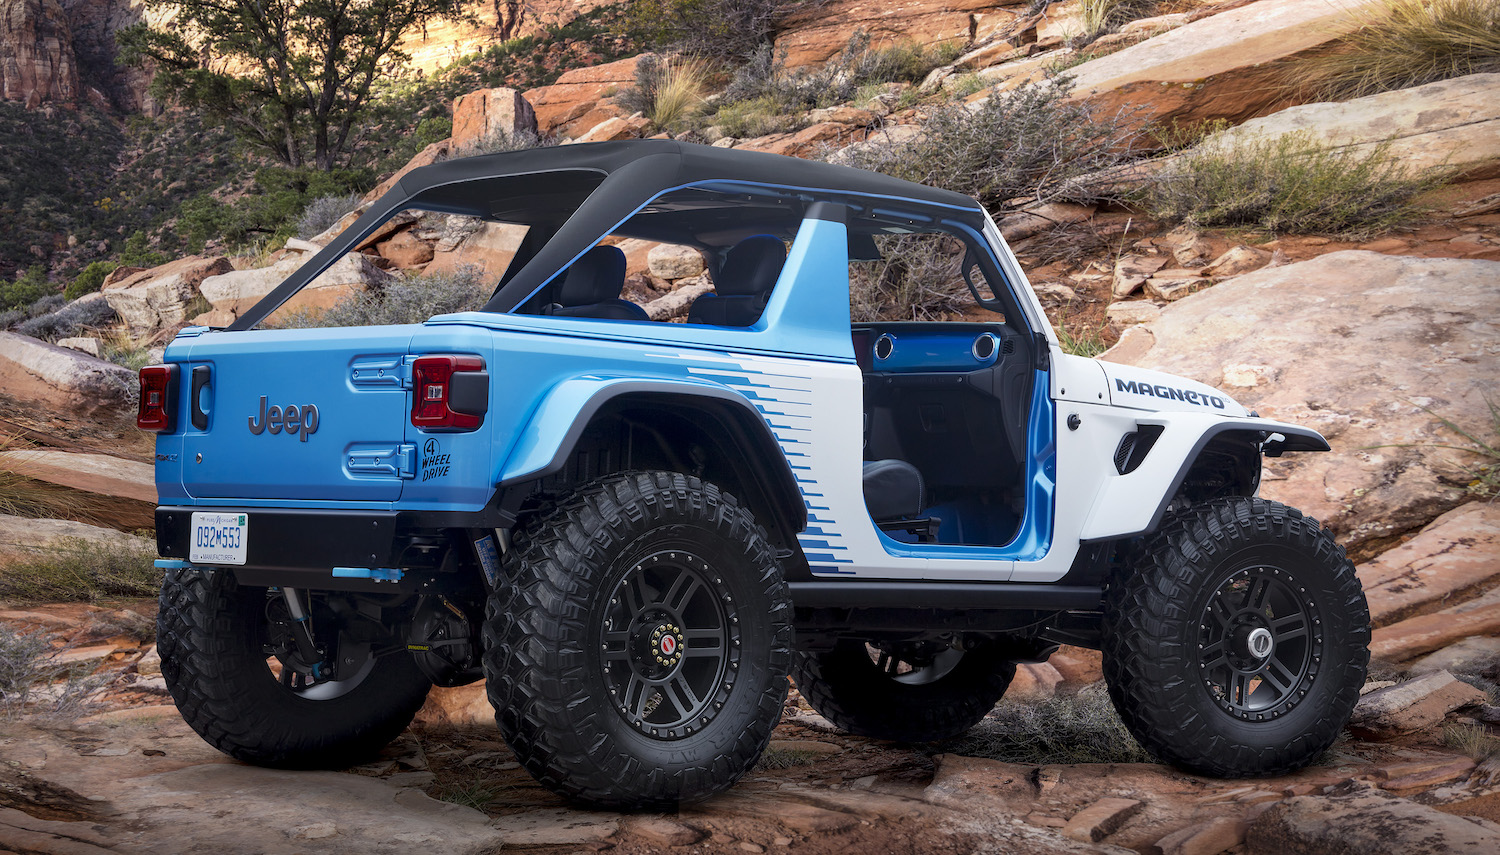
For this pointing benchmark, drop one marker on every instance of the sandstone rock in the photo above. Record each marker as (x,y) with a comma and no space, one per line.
(1132,271)
(1100,819)
(1431,776)
(1204,838)
(60,379)
(93,473)
(1054,291)
(490,111)
(1318,323)
(817,34)
(577,101)
(1426,633)
(673,261)
(150,662)
(406,250)
(1452,123)
(120,274)
(842,115)
(157,299)
(1133,312)
(1232,65)
(490,249)
(805,142)
(616,128)
(238,290)
(1247,376)
(1471,655)
(1453,558)
(37,62)
(660,831)
(1411,706)
(1369,824)
(459,706)
(1192,250)
(1172,285)
(25,537)
(82,344)
(1241,259)
(1037,680)
(296,244)
(677,303)
(1134,343)
(441,41)
(1035,219)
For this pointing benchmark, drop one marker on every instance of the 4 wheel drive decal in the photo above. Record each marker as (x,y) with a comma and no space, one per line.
(1167,393)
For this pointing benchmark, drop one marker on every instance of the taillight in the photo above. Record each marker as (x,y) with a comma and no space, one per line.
(449,392)
(158,398)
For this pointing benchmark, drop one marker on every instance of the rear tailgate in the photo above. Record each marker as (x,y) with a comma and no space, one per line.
(306,415)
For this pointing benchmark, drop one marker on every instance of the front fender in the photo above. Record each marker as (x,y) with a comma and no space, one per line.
(1134,503)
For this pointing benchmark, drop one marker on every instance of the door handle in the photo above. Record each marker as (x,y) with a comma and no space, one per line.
(202,376)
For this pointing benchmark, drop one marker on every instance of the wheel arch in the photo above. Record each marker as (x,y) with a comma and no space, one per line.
(698,426)
(1218,457)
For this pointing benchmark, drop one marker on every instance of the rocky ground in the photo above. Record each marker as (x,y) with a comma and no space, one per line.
(1387,345)
(135,779)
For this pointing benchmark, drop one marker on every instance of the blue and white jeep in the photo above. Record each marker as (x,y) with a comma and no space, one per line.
(636,530)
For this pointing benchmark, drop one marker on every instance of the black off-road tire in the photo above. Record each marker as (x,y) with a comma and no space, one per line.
(851,690)
(563,632)
(1179,652)
(210,632)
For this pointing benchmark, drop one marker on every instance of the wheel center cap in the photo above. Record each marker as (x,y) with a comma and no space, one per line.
(1259,642)
(665,645)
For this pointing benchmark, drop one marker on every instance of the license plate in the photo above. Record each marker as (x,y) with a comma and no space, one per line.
(219,538)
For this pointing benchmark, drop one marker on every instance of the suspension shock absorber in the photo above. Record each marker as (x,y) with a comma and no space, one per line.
(302,633)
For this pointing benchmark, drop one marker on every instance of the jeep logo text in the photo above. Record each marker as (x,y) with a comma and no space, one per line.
(293,419)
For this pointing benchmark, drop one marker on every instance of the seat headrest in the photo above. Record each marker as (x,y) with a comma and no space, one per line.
(751,267)
(596,276)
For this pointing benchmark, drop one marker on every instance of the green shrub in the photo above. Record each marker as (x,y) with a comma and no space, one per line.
(410,300)
(68,321)
(731,29)
(756,117)
(90,279)
(500,140)
(1403,43)
(26,289)
(323,212)
(1291,184)
(1009,150)
(1076,728)
(271,211)
(75,569)
(764,73)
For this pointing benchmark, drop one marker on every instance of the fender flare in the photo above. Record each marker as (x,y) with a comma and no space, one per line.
(1273,438)
(549,436)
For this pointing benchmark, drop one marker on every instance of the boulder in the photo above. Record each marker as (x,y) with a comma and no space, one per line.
(1357,345)
(1366,823)
(1133,312)
(1035,219)
(577,101)
(238,290)
(1132,271)
(1411,706)
(59,379)
(1234,65)
(92,473)
(1454,558)
(1240,259)
(157,299)
(459,706)
(82,344)
(405,250)
(23,536)
(490,111)
(806,142)
(677,303)
(674,261)
(819,32)
(1425,633)
(1100,819)
(615,128)
(1473,654)
(1450,124)
(1175,284)
(488,248)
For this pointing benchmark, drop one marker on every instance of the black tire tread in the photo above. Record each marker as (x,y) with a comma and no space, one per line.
(536,668)
(216,681)
(1146,660)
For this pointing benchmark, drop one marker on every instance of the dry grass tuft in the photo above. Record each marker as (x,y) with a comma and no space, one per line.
(1077,728)
(1403,43)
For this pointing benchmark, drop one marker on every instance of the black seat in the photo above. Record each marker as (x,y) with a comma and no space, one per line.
(743,284)
(591,288)
(893,490)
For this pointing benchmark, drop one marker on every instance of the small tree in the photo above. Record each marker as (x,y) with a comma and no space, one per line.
(286,75)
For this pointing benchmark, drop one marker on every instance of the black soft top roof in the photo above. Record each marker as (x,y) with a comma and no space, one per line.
(577,194)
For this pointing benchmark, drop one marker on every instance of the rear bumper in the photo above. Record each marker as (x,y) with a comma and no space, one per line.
(319,540)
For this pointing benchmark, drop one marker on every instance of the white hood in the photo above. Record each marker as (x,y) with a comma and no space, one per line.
(1144,389)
